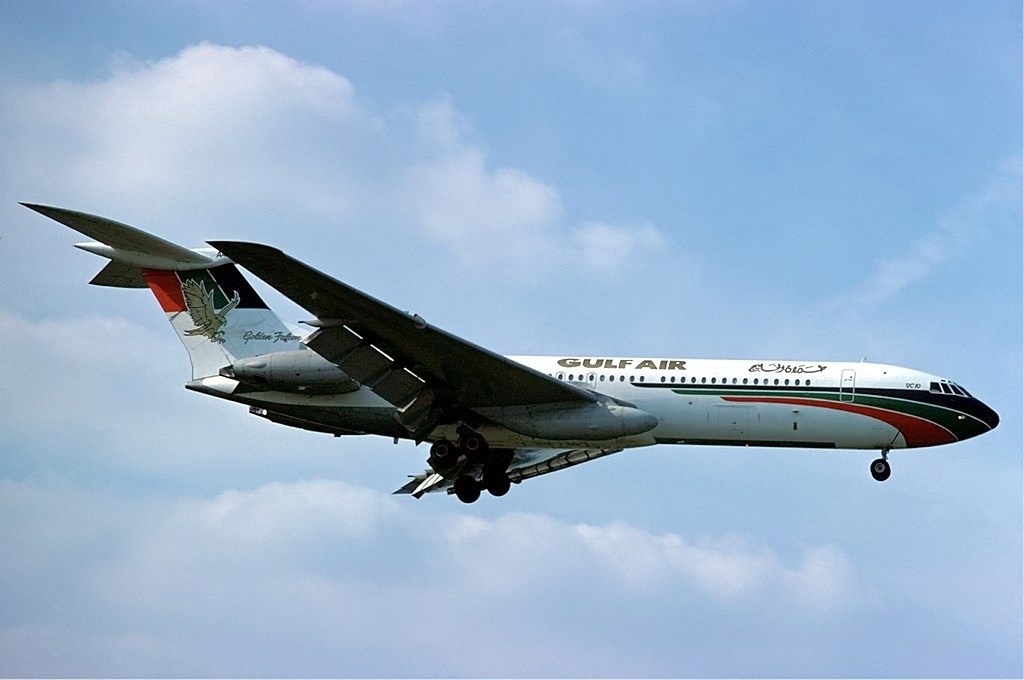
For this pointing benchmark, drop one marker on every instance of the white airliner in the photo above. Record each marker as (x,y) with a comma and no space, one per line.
(368,368)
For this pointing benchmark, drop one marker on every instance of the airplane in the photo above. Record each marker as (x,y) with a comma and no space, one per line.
(365,367)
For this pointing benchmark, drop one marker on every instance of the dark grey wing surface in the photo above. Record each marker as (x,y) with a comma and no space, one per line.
(397,354)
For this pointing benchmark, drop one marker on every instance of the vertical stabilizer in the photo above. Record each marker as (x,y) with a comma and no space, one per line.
(218,316)
(212,308)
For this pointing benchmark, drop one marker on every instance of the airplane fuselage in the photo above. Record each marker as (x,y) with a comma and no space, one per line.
(807,404)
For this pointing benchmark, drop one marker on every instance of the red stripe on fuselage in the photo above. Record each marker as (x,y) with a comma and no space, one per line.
(916,431)
(167,289)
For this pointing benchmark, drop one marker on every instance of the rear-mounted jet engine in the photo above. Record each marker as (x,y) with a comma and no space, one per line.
(300,370)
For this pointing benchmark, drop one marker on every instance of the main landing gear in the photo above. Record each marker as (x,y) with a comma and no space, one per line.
(880,469)
(472,448)
(444,455)
(467,487)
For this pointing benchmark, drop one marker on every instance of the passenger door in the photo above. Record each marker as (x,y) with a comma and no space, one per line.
(847,384)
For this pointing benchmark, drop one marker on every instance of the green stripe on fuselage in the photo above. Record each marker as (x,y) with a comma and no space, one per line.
(963,425)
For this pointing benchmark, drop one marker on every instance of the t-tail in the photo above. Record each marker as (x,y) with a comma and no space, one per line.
(218,316)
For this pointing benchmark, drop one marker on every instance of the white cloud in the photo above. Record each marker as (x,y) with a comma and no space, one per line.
(989,209)
(484,215)
(249,133)
(95,361)
(230,583)
(211,118)
(729,568)
(605,246)
(62,651)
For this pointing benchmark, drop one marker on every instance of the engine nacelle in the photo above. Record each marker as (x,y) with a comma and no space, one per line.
(572,421)
(299,370)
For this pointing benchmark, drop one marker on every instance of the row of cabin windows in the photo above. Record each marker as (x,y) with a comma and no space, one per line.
(735,381)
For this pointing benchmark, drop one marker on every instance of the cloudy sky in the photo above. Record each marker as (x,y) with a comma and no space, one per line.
(688,179)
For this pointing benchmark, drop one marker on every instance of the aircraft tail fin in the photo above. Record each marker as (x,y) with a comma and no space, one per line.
(216,313)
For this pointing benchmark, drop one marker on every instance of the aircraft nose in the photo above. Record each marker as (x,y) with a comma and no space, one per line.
(990,417)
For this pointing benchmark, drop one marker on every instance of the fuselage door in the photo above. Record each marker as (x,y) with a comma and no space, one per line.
(847,384)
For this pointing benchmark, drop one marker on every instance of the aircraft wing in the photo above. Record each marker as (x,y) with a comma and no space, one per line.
(528,463)
(398,355)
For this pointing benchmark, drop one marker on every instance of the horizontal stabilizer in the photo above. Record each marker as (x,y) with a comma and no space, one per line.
(120,236)
(119,275)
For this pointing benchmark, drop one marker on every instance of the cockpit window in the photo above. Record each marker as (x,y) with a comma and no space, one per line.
(947,387)
(960,389)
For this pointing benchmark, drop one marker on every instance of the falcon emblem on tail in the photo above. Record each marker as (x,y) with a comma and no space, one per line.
(205,316)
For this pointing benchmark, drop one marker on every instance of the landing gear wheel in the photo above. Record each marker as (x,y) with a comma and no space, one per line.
(474,446)
(497,484)
(880,469)
(443,455)
(467,488)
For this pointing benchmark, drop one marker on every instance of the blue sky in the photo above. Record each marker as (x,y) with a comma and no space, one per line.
(692,179)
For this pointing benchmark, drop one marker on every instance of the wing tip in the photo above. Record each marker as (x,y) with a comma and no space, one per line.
(42,209)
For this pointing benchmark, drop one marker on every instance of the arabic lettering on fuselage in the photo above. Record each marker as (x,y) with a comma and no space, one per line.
(638,364)
(787,368)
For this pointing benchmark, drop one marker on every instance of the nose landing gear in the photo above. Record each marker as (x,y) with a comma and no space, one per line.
(880,469)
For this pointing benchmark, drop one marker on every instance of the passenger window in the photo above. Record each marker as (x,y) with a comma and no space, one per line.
(641,378)
(744,381)
(662,378)
(713,380)
(776,381)
(734,381)
(561,376)
(787,381)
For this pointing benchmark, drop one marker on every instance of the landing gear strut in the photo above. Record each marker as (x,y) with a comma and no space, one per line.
(880,469)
